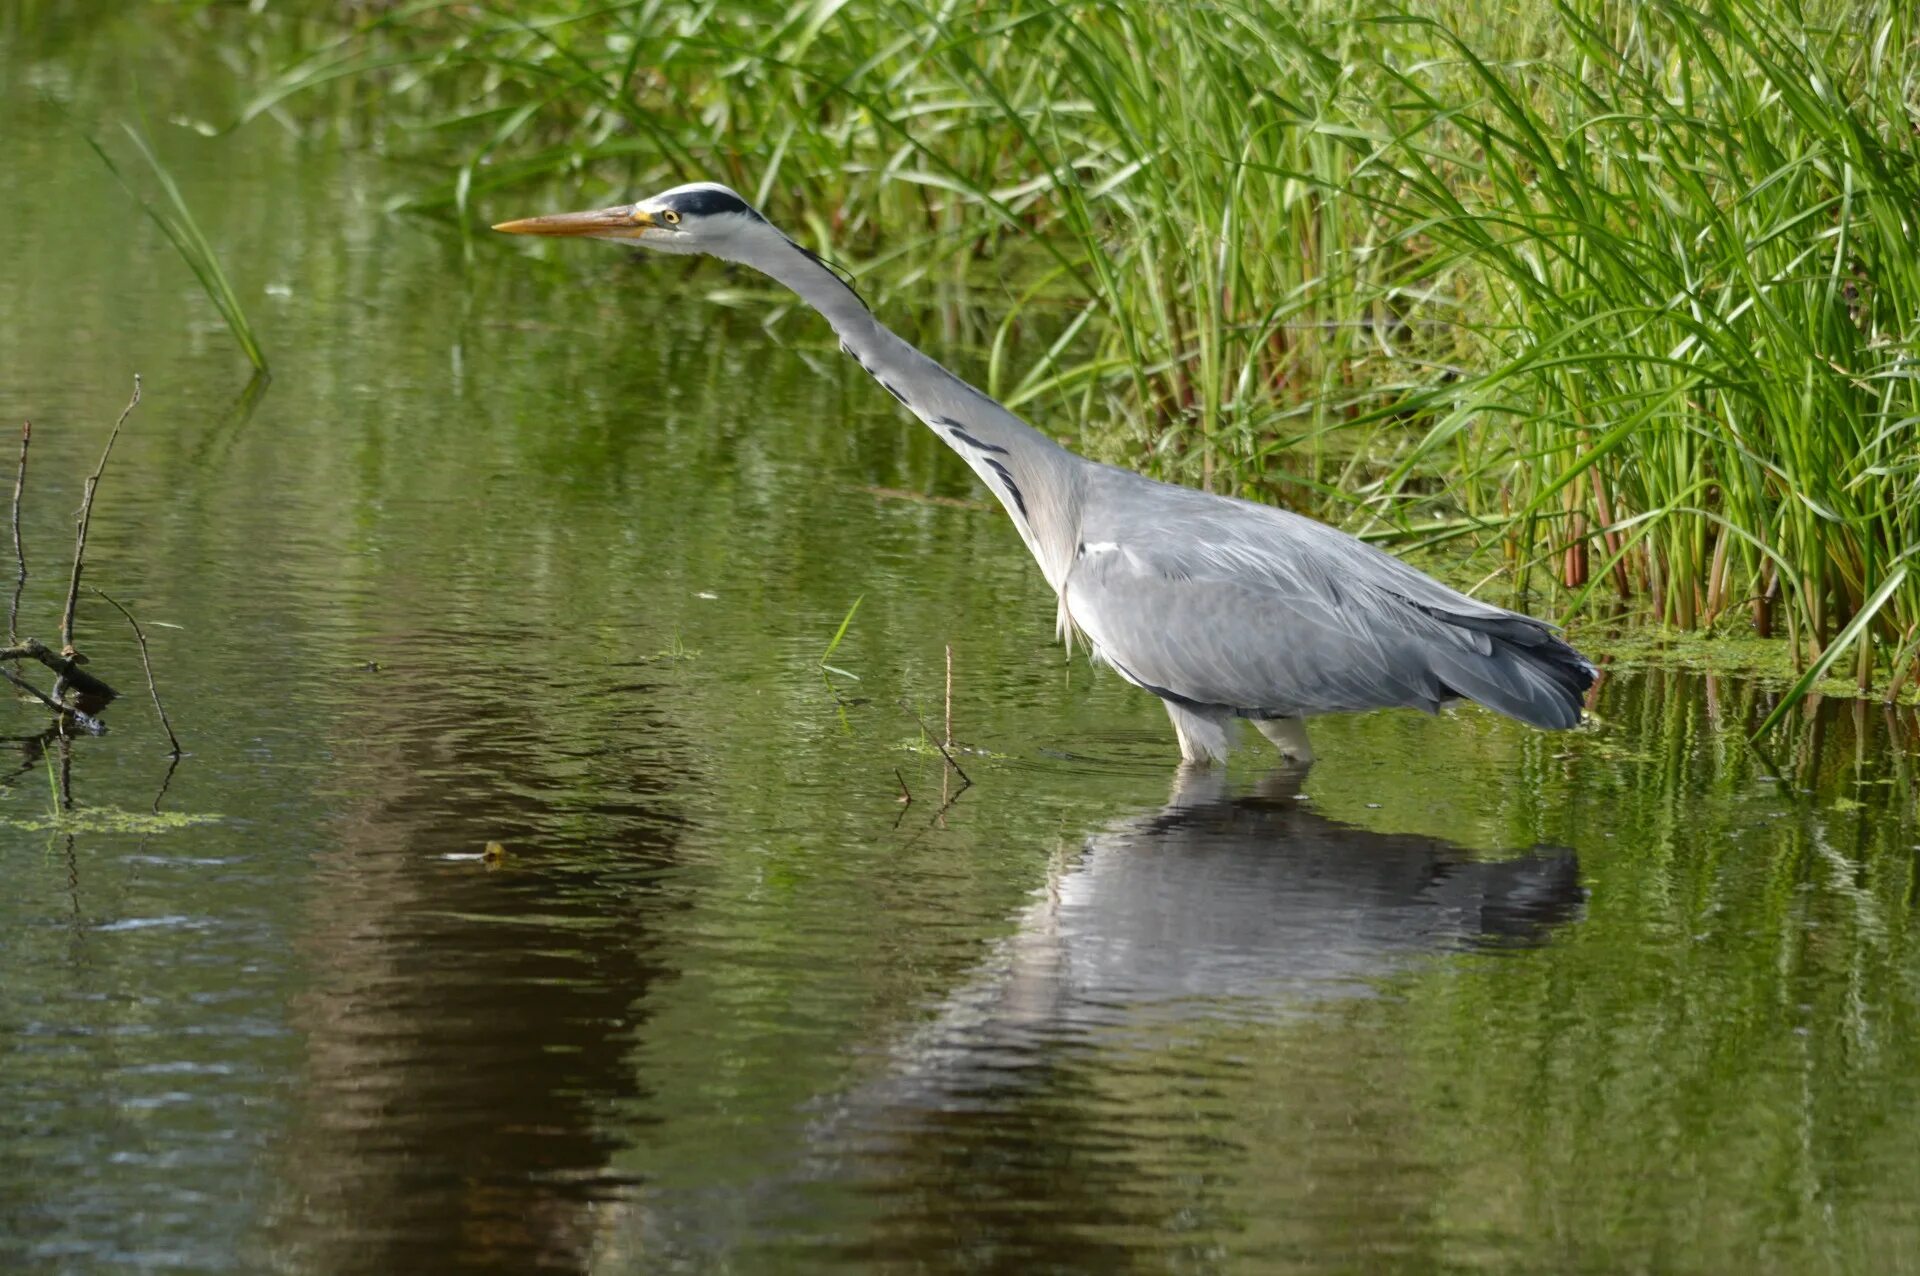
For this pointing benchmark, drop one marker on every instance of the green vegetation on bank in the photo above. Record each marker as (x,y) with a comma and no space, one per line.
(1622,293)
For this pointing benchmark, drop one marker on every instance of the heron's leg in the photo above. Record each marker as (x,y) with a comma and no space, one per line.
(1289,735)
(1203,733)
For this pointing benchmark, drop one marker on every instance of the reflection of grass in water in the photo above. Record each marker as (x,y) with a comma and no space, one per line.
(108,819)
(1739,655)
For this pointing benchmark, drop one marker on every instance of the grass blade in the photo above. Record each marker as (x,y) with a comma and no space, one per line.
(834,644)
(184,233)
(1855,630)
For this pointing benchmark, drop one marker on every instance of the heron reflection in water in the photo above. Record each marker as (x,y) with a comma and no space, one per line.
(1223,608)
(1219,906)
(992,1122)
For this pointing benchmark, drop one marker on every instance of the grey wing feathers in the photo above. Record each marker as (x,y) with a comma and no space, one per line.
(1222,603)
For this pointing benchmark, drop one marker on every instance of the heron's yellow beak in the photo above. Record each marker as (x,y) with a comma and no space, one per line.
(617,222)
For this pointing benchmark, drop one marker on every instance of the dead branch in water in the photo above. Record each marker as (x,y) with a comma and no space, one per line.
(147,664)
(85,721)
(925,731)
(86,518)
(19,549)
(77,695)
(69,672)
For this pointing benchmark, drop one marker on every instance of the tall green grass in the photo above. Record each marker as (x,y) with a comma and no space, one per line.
(1700,227)
(176,221)
(1624,293)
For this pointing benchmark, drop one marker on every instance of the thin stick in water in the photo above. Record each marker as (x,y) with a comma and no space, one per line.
(19,549)
(949,695)
(87,723)
(166,782)
(908,706)
(146,664)
(86,515)
(67,672)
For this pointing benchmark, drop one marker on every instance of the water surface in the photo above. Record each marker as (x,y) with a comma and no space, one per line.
(543,548)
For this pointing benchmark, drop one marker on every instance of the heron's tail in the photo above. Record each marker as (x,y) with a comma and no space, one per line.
(1526,670)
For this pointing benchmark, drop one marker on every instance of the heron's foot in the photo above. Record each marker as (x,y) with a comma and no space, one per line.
(1289,735)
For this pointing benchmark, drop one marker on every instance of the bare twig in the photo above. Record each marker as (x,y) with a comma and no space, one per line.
(86,722)
(146,664)
(86,514)
(964,777)
(949,695)
(166,782)
(19,550)
(905,799)
(68,672)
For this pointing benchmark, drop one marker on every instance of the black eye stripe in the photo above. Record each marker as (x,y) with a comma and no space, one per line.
(709,203)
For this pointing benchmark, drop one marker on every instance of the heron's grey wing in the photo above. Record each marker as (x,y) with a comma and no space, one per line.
(1254,646)
(1220,602)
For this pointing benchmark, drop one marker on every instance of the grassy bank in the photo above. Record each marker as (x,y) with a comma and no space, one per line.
(1624,294)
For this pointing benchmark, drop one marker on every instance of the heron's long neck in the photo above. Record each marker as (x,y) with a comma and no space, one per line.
(1036,479)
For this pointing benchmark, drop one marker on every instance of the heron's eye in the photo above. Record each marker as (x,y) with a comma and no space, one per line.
(670,217)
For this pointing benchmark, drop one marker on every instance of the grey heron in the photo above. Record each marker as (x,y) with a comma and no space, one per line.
(1223,608)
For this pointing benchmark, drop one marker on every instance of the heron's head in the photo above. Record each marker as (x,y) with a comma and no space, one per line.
(700,217)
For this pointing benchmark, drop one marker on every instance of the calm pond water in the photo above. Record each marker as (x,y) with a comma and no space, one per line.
(544,550)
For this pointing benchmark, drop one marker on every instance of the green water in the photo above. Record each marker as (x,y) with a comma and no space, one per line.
(545,550)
